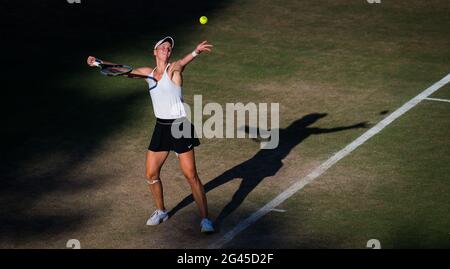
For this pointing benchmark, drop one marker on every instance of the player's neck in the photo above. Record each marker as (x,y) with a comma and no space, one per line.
(160,66)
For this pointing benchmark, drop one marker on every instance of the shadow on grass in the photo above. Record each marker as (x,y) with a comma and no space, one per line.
(46,116)
(265,163)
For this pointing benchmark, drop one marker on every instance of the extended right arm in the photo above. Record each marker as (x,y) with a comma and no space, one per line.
(141,72)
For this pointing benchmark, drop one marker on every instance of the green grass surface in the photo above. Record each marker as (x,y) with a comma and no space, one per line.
(77,144)
(394,188)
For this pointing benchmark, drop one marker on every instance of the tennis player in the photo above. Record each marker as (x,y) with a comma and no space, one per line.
(167,100)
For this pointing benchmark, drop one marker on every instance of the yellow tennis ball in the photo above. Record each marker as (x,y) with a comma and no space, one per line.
(203,19)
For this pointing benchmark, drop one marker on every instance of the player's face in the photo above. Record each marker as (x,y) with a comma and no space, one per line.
(163,51)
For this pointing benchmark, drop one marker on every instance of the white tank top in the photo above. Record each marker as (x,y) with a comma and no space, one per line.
(167,98)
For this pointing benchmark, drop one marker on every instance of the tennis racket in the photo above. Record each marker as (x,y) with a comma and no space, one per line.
(123,70)
(112,70)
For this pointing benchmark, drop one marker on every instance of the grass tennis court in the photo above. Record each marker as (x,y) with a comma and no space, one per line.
(75,141)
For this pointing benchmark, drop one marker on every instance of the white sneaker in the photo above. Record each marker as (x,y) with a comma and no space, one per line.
(157,217)
(206,226)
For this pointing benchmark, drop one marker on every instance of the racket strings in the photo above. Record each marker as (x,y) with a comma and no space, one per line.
(116,70)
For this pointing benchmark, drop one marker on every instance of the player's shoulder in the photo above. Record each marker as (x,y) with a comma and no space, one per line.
(175,65)
(145,69)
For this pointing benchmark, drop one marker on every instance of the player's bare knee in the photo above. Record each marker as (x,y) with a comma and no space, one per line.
(192,179)
(152,177)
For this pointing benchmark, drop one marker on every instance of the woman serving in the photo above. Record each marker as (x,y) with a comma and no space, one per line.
(167,100)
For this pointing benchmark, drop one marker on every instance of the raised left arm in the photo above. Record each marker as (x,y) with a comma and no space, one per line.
(181,64)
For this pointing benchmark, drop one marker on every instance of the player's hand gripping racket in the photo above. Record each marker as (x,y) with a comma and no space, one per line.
(112,69)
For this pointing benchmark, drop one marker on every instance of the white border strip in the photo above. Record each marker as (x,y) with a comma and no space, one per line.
(278,210)
(438,99)
(242,225)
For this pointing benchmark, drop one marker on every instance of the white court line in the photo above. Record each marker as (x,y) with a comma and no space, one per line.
(242,225)
(278,210)
(438,99)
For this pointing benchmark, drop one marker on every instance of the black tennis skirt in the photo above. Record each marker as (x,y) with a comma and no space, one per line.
(164,140)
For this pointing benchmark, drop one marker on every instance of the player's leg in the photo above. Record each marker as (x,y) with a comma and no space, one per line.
(153,165)
(187,163)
